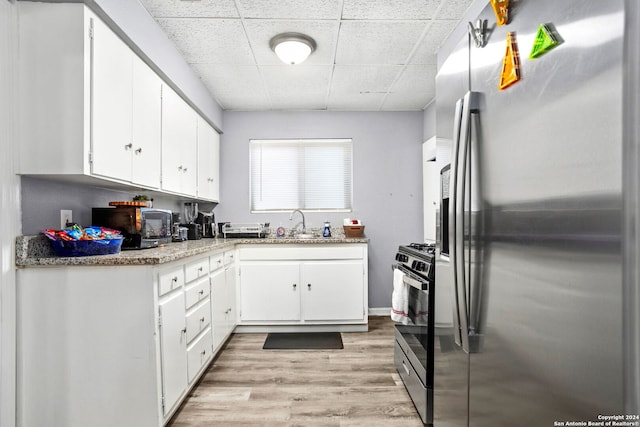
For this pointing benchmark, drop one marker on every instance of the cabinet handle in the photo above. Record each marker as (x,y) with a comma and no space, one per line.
(202,319)
(309,286)
(201,291)
(184,170)
(204,352)
(200,268)
(294,286)
(129,146)
(180,167)
(138,151)
(175,279)
(184,330)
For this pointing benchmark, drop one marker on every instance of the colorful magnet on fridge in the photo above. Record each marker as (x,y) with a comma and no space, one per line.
(546,39)
(501,10)
(510,64)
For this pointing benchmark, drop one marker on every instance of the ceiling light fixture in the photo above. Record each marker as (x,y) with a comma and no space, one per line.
(292,48)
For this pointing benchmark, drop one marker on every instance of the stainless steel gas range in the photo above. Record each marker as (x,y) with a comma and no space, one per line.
(414,341)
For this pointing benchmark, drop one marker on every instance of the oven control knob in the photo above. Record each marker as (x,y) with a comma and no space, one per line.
(402,258)
(420,266)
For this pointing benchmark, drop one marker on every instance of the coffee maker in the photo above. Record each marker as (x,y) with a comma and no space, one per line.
(207,222)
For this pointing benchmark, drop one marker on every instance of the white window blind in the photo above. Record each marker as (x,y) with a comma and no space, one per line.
(312,174)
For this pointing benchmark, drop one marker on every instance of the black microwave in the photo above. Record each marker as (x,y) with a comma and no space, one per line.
(141,227)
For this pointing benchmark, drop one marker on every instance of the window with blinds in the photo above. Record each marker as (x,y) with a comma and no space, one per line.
(310,174)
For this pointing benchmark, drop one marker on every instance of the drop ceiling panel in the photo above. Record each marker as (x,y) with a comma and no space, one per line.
(453,9)
(377,42)
(235,86)
(303,86)
(261,31)
(385,9)
(290,9)
(207,40)
(427,49)
(354,80)
(188,9)
(413,89)
(360,102)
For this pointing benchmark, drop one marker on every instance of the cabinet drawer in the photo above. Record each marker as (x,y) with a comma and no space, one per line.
(196,269)
(229,257)
(198,320)
(196,292)
(199,354)
(170,280)
(216,261)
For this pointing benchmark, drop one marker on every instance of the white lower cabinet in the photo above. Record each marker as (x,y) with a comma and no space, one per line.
(296,285)
(332,290)
(173,349)
(270,291)
(115,345)
(223,298)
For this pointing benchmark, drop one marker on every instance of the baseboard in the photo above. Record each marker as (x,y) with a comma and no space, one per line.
(379,311)
(252,329)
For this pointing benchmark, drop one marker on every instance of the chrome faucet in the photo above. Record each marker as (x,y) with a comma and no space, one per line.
(304,226)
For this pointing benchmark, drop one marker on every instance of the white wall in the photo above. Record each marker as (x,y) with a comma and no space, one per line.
(429,125)
(10,209)
(387,177)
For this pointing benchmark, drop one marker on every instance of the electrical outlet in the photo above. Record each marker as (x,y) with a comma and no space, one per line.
(66,217)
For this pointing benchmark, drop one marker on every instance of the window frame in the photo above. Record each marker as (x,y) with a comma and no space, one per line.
(301,141)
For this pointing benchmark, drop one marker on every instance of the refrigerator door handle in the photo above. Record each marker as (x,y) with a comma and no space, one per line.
(453,250)
(461,263)
(474,284)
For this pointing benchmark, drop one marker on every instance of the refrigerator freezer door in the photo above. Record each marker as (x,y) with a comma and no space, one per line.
(451,363)
(550,172)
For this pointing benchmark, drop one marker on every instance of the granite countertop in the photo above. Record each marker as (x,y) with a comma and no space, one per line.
(34,251)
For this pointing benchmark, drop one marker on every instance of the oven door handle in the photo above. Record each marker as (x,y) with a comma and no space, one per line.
(412,279)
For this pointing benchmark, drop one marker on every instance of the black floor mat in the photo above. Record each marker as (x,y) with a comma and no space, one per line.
(303,341)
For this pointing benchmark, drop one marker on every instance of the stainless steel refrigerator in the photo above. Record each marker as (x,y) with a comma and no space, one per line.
(530,242)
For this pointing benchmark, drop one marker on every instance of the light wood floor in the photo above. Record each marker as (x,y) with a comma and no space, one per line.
(355,386)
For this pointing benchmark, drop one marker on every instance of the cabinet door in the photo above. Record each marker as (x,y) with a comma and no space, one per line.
(332,290)
(218,306)
(431,190)
(173,347)
(146,125)
(269,291)
(111,104)
(208,161)
(178,144)
(231,318)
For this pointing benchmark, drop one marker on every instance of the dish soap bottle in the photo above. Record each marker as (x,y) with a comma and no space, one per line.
(326,231)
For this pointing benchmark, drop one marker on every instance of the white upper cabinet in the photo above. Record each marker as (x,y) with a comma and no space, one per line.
(179,144)
(208,162)
(111,69)
(430,188)
(146,125)
(125,112)
(91,109)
